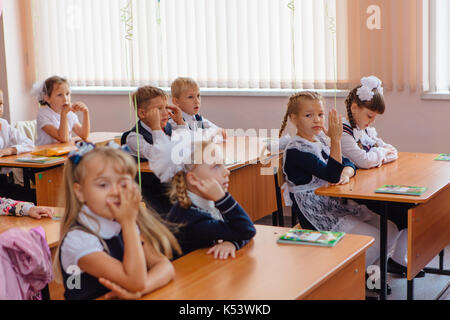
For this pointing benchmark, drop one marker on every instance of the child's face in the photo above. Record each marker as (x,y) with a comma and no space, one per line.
(159,103)
(189,101)
(59,97)
(310,119)
(101,183)
(363,117)
(1,104)
(213,168)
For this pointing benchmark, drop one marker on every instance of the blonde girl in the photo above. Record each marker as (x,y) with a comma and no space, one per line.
(209,216)
(106,234)
(56,118)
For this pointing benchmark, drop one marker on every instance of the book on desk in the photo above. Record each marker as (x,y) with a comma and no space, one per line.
(399,189)
(53,152)
(312,238)
(38,159)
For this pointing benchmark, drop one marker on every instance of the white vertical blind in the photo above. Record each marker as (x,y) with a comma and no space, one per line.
(220,43)
(436,62)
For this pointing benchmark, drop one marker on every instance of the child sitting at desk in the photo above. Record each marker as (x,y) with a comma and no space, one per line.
(186,95)
(312,159)
(152,127)
(56,118)
(12,142)
(207,214)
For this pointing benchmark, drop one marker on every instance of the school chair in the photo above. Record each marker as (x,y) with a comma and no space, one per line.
(27,128)
(279,180)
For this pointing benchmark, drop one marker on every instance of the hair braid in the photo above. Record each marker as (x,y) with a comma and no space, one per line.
(348,104)
(179,192)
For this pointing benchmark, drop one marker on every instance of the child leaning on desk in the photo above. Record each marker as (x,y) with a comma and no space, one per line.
(10,207)
(105,233)
(56,118)
(207,214)
(12,142)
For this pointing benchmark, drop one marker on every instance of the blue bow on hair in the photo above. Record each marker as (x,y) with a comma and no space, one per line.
(85,147)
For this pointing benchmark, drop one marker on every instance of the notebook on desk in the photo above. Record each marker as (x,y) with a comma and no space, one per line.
(51,152)
(39,159)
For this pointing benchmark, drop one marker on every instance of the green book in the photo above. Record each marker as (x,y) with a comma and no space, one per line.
(398,189)
(310,237)
(443,157)
(37,159)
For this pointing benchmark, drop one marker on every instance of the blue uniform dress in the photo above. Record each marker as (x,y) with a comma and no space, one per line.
(308,166)
(201,228)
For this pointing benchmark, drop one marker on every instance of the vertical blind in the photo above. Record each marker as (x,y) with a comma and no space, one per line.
(220,43)
(436,58)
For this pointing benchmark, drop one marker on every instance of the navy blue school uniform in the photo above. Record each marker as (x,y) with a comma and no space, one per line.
(199,229)
(154,192)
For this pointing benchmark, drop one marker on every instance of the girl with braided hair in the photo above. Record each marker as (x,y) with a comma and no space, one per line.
(207,214)
(360,142)
(312,159)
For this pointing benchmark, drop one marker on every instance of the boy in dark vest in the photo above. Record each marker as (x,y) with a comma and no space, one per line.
(153,125)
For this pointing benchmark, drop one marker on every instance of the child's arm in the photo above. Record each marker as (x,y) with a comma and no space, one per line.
(62,133)
(9,207)
(82,130)
(360,157)
(19,142)
(8,152)
(131,273)
(160,272)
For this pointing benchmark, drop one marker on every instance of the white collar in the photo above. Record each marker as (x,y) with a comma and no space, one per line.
(108,228)
(206,205)
(146,127)
(187,116)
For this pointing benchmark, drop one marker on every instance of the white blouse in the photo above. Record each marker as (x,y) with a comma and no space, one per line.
(375,157)
(11,137)
(78,243)
(47,116)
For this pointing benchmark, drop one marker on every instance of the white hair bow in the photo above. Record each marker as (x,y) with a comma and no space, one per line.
(365,92)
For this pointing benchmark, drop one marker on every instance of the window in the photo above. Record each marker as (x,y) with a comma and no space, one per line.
(220,43)
(436,77)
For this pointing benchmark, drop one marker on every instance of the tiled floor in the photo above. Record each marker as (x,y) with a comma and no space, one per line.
(427,288)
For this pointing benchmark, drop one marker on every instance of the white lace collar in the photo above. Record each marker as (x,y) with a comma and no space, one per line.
(205,205)
(365,136)
(105,228)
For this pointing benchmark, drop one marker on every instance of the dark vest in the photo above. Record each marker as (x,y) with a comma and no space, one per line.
(90,288)
(153,191)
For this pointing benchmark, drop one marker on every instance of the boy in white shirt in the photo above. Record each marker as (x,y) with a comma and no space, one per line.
(186,95)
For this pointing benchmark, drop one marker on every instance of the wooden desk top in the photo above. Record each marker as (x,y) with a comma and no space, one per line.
(263,269)
(98,138)
(50,226)
(411,169)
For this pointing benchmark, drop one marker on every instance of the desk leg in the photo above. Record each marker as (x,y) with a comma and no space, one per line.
(383,251)
(410,290)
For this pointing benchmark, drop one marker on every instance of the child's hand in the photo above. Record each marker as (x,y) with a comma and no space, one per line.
(40,212)
(66,108)
(223,250)
(126,207)
(117,292)
(210,189)
(155,119)
(335,126)
(346,174)
(176,114)
(80,107)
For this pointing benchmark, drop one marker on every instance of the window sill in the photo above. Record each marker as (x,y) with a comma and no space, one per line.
(209,92)
(442,95)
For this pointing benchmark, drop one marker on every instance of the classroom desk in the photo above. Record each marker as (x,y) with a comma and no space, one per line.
(48,176)
(251,175)
(429,213)
(264,269)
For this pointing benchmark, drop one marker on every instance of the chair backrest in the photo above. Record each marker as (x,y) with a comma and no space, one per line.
(28,128)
